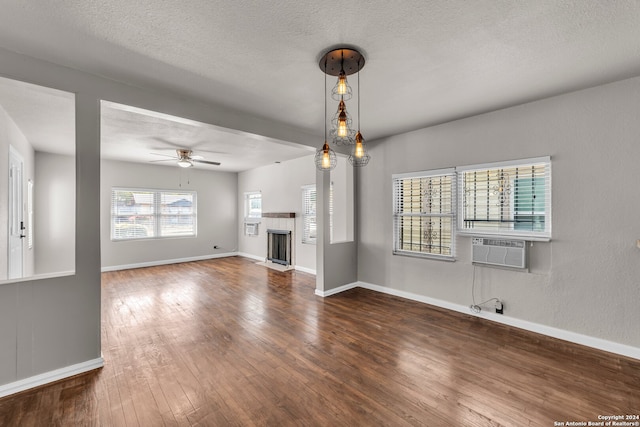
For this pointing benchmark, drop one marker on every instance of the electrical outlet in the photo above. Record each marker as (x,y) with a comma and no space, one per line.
(499,307)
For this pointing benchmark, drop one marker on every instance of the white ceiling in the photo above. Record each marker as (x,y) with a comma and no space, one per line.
(427,61)
(46,116)
(137,135)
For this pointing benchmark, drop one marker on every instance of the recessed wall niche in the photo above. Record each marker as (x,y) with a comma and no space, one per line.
(341,202)
(38,181)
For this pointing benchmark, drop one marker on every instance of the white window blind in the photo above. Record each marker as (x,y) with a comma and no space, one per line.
(424,213)
(146,213)
(252,206)
(309,225)
(30,214)
(508,199)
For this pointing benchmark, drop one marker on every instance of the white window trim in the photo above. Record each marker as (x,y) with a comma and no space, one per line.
(426,174)
(156,214)
(248,218)
(544,236)
(30,219)
(308,240)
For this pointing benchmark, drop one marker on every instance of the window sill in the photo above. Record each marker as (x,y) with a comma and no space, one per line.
(427,256)
(505,236)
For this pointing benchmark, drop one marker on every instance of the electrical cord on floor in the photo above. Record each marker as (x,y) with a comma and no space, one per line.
(477,308)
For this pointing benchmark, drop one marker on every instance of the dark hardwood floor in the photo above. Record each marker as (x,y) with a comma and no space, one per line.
(226,342)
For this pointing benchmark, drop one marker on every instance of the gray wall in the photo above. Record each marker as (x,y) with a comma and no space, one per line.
(54,200)
(54,323)
(281,187)
(337,262)
(216,204)
(586,279)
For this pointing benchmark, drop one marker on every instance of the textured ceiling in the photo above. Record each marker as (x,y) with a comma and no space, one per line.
(138,135)
(427,62)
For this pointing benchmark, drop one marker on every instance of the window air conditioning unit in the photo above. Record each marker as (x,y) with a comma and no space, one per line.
(251,229)
(499,252)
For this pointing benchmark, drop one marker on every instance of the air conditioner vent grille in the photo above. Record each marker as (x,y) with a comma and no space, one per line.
(499,252)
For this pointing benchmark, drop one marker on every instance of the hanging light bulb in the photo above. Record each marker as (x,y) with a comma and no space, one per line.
(358,151)
(325,158)
(342,83)
(359,156)
(341,126)
(342,91)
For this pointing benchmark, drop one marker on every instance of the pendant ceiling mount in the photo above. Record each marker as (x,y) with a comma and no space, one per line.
(341,62)
(336,60)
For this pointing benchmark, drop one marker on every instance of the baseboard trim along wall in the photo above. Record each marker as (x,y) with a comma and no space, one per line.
(262,259)
(588,341)
(196,258)
(167,261)
(51,376)
(251,256)
(305,269)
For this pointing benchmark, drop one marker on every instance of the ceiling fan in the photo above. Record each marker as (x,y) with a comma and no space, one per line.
(185,158)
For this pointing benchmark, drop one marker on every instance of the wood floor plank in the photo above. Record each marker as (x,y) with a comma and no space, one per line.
(226,342)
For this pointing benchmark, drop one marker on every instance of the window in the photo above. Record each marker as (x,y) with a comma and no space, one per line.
(30,214)
(509,199)
(424,214)
(309,226)
(252,206)
(144,214)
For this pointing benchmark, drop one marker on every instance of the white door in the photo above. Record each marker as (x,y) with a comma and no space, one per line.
(16,215)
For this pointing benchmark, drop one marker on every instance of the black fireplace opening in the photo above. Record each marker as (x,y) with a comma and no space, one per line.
(279,246)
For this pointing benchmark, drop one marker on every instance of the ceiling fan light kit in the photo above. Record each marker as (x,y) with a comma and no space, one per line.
(341,62)
(185,163)
(186,159)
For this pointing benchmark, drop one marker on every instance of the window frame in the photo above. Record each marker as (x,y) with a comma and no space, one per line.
(450,213)
(308,218)
(509,230)
(250,218)
(157,214)
(30,218)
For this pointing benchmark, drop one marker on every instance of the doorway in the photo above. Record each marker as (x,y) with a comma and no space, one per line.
(16,215)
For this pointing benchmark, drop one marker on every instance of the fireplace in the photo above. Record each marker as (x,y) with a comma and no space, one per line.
(279,246)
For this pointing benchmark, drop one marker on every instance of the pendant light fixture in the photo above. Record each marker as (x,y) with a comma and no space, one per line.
(325,157)
(341,130)
(359,156)
(343,62)
(341,91)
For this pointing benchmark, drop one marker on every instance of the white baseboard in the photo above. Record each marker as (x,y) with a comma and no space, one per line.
(167,261)
(337,290)
(251,256)
(586,340)
(262,259)
(305,269)
(51,376)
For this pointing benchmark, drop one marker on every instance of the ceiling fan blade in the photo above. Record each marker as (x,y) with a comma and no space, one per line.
(205,161)
(197,158)
(163,160)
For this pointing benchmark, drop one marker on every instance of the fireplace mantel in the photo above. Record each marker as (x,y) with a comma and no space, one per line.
(279,215)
